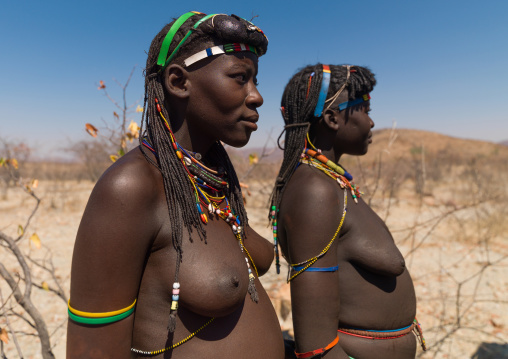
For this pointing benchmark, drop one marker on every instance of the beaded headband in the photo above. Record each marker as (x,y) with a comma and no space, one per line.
(325,83)
(163,58)
(217,50)
(324,91)
(347,104)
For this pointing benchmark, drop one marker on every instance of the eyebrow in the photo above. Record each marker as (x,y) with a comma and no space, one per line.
(244,67)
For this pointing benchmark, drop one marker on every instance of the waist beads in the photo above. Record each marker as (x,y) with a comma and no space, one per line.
(387,334)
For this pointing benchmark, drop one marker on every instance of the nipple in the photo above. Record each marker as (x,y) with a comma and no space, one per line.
(235,281)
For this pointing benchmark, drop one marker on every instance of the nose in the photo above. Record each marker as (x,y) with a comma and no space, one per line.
(371,122)
(254,98)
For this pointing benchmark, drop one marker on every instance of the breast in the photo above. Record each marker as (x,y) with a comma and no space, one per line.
(369,244)
(213,274)
(217,286)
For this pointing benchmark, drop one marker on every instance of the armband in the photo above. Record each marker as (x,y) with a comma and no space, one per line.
(100,318)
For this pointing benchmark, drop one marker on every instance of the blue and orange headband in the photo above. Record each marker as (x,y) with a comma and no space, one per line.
(325,84)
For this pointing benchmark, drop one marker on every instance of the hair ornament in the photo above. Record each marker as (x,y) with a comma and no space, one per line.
(308,85)
(162,61)
(302,124)
(213,18)
(168,39)
(337,94)
(347,104)
(217,50)
(253,27)
(325,83)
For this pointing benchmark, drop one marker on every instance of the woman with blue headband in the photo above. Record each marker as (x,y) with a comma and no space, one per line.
(165,264)
(352,296)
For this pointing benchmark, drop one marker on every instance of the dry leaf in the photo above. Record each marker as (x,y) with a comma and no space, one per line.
(45,286)
(21,230)
(253,158)
(134,129)
(101,85)
(113,158)
(91,129)
(116,115)
(34,238)
(139,109)
(35,183)
(2,161)
(14,163)
(246,186)
(3,336)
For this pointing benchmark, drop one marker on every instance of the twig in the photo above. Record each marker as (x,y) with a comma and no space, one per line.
(14,337)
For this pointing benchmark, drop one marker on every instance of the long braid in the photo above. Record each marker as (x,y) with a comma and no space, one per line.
(297,106)
(179,193)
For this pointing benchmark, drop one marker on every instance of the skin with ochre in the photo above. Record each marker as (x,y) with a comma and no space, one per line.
(372,288)
(123,248)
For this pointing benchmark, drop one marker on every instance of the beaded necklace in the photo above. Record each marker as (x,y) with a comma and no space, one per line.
(209,187)
(315,159)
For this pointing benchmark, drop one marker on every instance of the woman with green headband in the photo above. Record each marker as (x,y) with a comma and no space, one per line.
(352,295)
(165,263)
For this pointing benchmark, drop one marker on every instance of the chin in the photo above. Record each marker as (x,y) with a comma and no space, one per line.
(237,142)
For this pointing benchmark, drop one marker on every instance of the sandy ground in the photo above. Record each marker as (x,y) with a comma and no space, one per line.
(456,267)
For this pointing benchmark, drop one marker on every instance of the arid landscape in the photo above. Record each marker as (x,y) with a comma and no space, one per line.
(444,199)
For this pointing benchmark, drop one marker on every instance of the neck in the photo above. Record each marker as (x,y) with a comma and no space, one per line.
(331,155)
(191,140)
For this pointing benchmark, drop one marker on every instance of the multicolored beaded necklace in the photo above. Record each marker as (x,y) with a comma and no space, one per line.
(209,187)
(315,159)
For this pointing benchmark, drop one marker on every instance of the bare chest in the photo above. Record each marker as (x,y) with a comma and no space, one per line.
(213,273)
(367,242)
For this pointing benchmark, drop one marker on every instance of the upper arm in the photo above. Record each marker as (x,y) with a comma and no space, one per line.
(112,244)
(260,249)
(310,215)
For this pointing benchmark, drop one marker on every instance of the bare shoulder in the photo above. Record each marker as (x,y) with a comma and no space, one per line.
(310,193)
(116,232)
(132,179)
(310,212)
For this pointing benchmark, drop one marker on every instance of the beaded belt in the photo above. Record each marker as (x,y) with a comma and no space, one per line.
(378,334)
(388,334)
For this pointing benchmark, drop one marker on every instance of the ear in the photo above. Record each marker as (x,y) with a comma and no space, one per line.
(177,81)
(332,119)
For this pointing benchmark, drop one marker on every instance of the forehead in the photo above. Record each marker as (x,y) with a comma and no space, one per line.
(234,61)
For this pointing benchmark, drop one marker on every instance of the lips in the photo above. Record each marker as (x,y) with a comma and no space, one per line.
(251,122)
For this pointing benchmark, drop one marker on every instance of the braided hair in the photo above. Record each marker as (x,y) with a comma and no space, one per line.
(180,199)
(298,103)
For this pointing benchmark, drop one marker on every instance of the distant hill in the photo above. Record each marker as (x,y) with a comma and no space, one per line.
(405,143)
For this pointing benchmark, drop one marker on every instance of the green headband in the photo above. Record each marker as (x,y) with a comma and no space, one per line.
(163,60)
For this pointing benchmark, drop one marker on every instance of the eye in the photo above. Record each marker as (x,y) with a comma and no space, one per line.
(256,82)
(241,77)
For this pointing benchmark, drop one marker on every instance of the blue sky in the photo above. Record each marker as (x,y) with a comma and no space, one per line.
(441,65)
